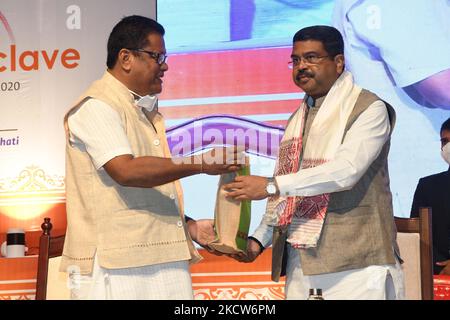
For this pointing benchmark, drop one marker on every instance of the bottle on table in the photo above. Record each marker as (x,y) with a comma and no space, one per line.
(315,294)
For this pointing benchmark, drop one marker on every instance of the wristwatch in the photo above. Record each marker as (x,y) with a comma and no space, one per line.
(271,187)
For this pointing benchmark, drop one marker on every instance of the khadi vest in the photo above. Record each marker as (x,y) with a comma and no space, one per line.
(125,226)
(359,228)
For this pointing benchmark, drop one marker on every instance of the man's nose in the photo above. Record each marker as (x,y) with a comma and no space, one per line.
(302,69)
(164,67)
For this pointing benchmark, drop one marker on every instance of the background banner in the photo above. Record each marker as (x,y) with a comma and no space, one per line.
(237,65)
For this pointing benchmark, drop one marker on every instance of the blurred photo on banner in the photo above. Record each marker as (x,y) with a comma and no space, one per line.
(400,50)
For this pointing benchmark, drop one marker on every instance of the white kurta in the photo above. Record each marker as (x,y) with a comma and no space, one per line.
(383,282)
(166,281)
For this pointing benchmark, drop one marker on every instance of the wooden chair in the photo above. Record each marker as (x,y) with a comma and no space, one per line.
(414,237)
(49,247)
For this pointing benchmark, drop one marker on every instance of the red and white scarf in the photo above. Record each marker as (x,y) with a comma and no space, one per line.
(306,215)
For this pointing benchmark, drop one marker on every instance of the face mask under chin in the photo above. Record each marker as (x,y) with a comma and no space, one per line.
(147,102)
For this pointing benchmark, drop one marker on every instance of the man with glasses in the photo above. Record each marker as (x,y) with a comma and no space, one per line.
(126,233)
(329,214)
(434,191)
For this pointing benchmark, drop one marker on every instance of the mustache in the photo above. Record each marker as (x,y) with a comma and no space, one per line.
(305,73)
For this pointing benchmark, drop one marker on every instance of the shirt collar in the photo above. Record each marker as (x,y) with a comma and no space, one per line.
(311,102)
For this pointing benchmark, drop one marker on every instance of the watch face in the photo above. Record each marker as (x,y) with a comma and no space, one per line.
(271,189)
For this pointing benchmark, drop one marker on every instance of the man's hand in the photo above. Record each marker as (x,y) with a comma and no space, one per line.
(222,160)
(247,188)
(446,265)
(202,232)
(253,251)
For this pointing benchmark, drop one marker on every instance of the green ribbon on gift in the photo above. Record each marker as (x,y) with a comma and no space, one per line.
(244,221)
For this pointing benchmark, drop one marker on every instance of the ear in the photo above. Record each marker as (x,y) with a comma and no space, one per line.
(125,59)
(340,63)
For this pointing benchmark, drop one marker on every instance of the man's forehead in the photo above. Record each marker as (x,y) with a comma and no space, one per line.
(155,41)
(445,134)
(308,45)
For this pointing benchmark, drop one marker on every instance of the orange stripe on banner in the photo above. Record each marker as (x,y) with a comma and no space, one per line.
(228,73)
(277,123)
(244,108)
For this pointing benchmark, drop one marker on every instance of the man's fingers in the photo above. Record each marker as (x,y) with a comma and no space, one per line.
(235,257)
(234,194)
(237,196)
(228,186)
(215,252)
(239,257)
(242,197)
(233,186)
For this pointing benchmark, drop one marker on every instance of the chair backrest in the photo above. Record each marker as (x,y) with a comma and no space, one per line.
(414,237)
(49,247)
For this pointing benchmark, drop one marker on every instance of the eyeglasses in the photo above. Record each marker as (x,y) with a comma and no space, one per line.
(160,58)
(308,59)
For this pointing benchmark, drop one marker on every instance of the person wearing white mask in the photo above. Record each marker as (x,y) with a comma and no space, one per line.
(127,236)
(434,191)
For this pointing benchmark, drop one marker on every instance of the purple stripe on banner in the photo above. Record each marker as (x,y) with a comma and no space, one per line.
(224,130)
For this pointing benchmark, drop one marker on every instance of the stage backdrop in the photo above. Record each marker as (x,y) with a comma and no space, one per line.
(231,57)
(50,51)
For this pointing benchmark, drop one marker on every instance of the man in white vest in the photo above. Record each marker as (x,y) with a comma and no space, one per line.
(126,232)
(329,214)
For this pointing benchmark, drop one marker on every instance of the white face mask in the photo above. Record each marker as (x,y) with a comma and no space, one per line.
(147,102)
(445,153)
